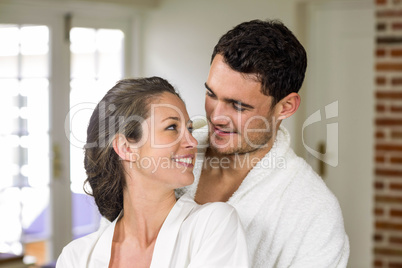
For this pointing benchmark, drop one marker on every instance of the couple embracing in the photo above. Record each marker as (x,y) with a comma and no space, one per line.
(230,194)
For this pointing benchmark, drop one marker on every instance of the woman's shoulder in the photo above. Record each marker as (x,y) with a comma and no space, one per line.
(216,210)
(209,211)
(213,216)
(207,230)
(81,246)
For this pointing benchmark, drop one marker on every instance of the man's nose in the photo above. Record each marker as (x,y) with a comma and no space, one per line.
(219,115)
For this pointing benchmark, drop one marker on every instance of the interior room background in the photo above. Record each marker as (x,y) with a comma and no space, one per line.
(58,58)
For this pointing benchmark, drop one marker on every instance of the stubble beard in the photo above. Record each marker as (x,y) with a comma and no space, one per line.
(243,146)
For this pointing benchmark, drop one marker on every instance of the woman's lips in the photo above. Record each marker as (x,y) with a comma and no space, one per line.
(186,160)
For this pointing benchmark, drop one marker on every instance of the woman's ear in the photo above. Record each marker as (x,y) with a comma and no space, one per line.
(123,149)
(288,105)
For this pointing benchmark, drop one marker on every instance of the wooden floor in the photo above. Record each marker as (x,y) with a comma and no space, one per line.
(38,250)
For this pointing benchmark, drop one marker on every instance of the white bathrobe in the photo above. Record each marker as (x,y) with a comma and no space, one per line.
(290,217)
(192,236)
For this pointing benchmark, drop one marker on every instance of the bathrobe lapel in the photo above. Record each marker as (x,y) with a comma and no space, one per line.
(165,243)
(167,237)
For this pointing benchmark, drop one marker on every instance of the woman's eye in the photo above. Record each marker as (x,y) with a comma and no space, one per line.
(190,129)
(172,127)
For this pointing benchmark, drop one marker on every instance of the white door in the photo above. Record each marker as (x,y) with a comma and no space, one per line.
(338,99)
(41,167)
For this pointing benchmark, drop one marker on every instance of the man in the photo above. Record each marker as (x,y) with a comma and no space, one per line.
(290,217)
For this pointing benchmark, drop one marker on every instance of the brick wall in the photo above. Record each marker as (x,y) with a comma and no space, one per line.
(388,148)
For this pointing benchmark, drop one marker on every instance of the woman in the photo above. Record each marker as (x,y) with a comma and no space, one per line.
(139,149)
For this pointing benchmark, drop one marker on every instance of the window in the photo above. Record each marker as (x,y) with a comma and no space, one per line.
(24,135)
(96,65)
(49,85)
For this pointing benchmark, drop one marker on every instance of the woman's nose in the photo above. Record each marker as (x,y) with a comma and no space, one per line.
(190,141)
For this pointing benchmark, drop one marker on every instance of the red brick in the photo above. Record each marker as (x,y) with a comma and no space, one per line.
(395,186)
(388,147)
(396,134)
(389,172)
(379,159)
(388,199)
(396,160)
(379,135)
(380,81)
(381,26)
(388,251)
(389,40)
(396,109)
(395,240)
(389,95)
(379,211)
(396,26)
(388,226)
(380,52)
(380,108)
(388,122)
(378,237)
(381,2)
(396,53)
(396,81)
(389,13)
(378,264)
(395,265)
(396,213)
(379,185)
(389,67)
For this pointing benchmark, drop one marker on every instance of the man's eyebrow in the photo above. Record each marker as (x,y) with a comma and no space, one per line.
(230,100)
(171,117)
(207,87)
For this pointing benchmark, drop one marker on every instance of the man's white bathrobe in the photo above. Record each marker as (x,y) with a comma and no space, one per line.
(290,217)
(192,235)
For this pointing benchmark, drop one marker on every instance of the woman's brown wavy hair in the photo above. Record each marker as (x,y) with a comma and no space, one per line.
(121,111)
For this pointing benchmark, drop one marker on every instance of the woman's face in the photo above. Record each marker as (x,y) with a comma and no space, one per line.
(166,152)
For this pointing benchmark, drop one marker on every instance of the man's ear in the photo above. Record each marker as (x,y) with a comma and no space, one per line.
(123,149)
(288,105)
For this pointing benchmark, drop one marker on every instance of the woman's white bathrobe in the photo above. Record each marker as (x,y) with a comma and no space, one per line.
(192,235)
(290,217)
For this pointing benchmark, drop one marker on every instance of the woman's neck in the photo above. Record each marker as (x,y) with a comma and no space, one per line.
(145,209)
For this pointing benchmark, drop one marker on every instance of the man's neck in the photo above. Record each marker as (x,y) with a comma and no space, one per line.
(222,175)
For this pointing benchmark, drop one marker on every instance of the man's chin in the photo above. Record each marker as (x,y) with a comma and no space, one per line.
(222,150)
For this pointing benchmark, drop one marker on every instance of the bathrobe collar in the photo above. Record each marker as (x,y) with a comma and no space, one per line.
(165,242)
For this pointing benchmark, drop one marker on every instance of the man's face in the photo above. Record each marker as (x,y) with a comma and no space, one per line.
(240,117)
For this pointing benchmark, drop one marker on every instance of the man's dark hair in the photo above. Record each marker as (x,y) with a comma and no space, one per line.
(268,50)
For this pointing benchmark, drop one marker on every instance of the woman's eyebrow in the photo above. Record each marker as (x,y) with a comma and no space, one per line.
(171,117)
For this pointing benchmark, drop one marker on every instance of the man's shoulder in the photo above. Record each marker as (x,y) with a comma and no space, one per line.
(297,183)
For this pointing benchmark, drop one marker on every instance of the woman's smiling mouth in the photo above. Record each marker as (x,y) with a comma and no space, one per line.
(186,161)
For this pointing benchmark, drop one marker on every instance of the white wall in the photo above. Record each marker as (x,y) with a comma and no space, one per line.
(179,37)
